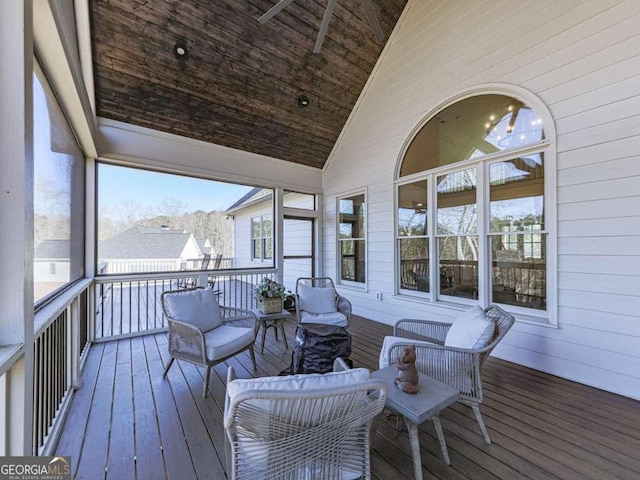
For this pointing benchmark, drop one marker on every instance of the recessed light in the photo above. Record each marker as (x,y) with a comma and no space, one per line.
(180,50)
(303,101)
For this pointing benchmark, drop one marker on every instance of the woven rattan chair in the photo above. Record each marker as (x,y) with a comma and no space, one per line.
(208,333)
(457,367)
(340,312)
(298,433)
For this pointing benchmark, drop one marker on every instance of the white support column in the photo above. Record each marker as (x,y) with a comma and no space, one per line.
(317,235)
(278,227)
(16,211)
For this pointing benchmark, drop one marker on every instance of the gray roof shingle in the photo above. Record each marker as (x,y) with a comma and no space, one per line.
(144,242)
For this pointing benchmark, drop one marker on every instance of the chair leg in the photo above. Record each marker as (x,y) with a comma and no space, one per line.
(253,357)
(206,382)
(284,336)
(264,337)
(443,443)
(483,428)
(166,369)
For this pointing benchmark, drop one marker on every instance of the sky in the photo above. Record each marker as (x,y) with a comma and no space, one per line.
(118,185)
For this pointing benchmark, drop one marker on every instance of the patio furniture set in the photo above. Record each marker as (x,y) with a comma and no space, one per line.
(317,421)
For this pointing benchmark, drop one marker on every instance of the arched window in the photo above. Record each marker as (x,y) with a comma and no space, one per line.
(473,209)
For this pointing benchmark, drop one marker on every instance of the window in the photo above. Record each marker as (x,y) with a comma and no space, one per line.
(262,238)
(352,239)
(58,196)
(476,175)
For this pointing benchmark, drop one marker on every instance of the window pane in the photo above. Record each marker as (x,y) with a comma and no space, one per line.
(458,266)
(352,254)
(266,227)
(268,248)
(519,270)
(58,196)
(472,128)
(517,194)
(352,217)
(159,222)
(414,263)
(255,228)
(257,249)
(412,209)
(457,213)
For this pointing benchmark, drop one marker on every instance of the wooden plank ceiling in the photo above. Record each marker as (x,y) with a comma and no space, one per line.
(240,82)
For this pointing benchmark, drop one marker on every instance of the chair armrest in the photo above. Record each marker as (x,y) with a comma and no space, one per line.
(344,307)
(186,341)
(457,367)
(239,317)
(424,330)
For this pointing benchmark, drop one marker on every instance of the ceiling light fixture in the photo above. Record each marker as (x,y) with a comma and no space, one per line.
(303,101)
(180,50)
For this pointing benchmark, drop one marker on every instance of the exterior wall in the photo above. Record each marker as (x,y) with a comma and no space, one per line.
(296,239)
(581,59)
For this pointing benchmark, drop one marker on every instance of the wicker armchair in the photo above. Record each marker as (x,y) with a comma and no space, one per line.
(204,333)
(293,430)
(339,314)
(457,367)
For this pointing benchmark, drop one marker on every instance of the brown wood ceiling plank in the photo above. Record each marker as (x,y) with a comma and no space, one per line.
(240,83)
(186,115)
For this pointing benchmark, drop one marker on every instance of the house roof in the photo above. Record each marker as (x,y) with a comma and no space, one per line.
(144,242)
(252,196)
(239,84)
(50,248)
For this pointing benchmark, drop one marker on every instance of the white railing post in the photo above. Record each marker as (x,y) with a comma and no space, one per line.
(73,340)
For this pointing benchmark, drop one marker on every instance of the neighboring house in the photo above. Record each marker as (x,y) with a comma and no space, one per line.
(254,247)
(149,249)
(205,245)
(51,266)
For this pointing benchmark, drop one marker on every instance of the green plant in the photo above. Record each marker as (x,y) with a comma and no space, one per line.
(269,289)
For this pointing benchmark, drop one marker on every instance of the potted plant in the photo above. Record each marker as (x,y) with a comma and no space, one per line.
(270,296)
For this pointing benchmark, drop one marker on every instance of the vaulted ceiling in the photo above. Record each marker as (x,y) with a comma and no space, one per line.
(240,82)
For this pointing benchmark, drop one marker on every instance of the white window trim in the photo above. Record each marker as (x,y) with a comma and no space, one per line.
(362,286)
(262,239)
(549,317)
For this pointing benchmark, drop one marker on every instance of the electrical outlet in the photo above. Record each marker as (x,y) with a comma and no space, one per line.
(378,295)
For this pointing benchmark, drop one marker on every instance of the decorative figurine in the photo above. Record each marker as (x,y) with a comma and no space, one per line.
(406,365)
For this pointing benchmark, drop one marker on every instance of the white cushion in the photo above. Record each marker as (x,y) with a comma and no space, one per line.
(226,340)
(317,299)
(334,318)
(471,329)
(301,382)
(196,307)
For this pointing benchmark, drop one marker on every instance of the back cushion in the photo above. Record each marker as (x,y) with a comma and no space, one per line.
(317,299)
(196,307)
(471,329)
(302,382)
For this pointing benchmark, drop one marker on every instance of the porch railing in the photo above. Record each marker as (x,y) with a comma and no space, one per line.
(61,339)
(129,305)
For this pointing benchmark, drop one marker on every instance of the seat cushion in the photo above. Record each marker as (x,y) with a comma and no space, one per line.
(195,307)
(226,340)
(471,329)
(334,318)
(317,299)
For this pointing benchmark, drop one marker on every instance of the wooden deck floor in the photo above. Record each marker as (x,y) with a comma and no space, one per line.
(127,422)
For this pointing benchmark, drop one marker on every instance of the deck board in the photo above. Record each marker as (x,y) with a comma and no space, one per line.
(542,427)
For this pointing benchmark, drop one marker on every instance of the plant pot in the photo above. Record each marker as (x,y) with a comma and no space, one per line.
(270,305)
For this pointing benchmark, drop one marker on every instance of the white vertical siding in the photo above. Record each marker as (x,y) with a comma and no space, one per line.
(582,58)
